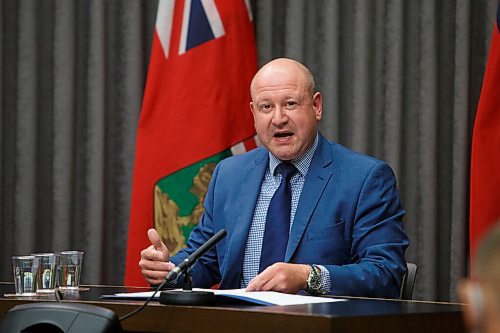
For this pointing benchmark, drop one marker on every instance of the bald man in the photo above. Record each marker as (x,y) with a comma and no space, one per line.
(303,213)
(482,293)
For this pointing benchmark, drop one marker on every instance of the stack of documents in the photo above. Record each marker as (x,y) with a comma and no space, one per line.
(255,297)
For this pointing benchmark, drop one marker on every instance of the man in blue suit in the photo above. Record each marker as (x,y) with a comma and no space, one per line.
(343,232)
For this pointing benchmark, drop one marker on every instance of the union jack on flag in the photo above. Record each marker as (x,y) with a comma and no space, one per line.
(201,22)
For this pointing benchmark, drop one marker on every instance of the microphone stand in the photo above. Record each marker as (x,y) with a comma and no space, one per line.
(187,296)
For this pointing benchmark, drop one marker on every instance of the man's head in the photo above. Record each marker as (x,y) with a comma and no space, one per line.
(285,108)
(482,293)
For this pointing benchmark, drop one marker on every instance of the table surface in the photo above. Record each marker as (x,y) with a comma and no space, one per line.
(353,315)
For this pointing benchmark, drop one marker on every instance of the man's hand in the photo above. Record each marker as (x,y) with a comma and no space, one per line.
(155,260)
(282,277)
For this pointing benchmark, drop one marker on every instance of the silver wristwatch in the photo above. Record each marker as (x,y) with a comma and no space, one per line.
(314,280)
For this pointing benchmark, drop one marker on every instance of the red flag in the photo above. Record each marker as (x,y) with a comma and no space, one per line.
(195,108)
(485,160)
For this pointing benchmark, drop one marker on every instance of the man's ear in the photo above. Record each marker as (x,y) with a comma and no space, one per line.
(471,293)
(318,105)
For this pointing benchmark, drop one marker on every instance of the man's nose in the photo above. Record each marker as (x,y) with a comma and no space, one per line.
(279,116)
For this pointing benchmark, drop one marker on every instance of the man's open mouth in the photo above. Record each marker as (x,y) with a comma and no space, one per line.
(282,135)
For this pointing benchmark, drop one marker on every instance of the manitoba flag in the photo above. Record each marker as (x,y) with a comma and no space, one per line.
(485,160)
(195,112)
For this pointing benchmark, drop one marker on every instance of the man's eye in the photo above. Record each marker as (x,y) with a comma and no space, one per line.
(265,107)
(291,105)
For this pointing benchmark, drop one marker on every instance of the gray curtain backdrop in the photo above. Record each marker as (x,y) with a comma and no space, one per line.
(400,81)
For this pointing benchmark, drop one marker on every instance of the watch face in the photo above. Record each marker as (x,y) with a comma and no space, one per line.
(314,280)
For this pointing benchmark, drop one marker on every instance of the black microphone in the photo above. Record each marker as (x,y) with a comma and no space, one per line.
(191,260)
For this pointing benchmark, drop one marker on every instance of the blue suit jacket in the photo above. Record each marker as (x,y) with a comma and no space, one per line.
(348,219)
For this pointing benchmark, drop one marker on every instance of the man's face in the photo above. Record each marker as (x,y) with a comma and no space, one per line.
(285,114)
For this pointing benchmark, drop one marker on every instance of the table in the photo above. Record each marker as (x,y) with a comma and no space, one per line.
(354,315)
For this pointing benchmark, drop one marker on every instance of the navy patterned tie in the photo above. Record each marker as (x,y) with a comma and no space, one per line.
(278,220)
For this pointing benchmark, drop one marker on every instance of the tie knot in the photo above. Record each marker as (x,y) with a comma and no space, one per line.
(287,170)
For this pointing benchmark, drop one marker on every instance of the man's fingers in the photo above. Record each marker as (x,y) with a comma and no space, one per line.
(154,272)
(258,282)
(155,265)
(282,277)
(155,275)
(262,285)
(153,282)
(152,254)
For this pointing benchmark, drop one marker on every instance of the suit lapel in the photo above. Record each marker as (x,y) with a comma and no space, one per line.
(317,177)
(247,200)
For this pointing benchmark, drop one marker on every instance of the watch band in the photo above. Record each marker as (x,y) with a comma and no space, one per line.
(314,280)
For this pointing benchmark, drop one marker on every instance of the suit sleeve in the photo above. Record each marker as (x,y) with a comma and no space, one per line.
(378,241)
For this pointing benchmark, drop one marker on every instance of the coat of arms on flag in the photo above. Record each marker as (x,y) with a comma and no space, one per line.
(195,112)
(178,198)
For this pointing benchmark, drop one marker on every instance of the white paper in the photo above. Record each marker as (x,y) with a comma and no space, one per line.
(260,297)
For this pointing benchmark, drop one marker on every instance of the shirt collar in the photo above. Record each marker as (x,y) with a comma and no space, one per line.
(302,163)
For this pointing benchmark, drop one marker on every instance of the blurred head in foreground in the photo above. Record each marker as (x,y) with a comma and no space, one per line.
(482,291)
